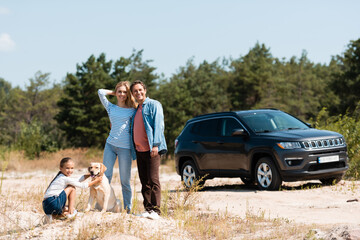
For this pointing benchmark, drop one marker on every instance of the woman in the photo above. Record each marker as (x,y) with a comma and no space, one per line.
(118,144)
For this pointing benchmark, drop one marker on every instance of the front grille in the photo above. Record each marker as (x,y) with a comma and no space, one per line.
(326,152)
(323,143)
(323,166)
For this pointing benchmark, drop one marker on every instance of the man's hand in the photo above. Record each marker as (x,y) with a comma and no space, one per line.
(154,152)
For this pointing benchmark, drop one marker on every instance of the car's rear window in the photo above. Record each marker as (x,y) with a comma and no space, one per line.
(206,128)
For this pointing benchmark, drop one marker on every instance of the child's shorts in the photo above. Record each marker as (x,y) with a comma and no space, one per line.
(55,204)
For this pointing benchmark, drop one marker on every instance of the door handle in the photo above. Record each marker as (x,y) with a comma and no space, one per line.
(195,141)
(219,142)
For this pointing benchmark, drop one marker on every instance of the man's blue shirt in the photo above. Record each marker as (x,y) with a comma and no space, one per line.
(153,117)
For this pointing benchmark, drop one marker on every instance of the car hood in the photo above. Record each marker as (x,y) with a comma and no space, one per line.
(301,134)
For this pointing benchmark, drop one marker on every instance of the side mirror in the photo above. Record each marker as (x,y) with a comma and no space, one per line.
(239,132)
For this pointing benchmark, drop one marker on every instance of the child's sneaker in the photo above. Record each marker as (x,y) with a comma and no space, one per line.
(47,219)
(74,214)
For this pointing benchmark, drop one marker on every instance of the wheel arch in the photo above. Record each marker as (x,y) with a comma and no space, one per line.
(260,154)
(184,159)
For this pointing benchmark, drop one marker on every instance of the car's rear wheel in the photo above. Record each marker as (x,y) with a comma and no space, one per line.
(266,175)
(190,175)
(331,180)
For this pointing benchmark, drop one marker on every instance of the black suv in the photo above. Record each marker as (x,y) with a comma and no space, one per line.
(265,146)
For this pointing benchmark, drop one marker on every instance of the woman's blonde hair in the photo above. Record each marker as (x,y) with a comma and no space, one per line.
(130,100)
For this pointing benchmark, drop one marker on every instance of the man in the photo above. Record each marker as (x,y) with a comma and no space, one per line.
(149,141)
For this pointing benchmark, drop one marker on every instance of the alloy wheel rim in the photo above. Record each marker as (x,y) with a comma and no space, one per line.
(188,176)
(264,175)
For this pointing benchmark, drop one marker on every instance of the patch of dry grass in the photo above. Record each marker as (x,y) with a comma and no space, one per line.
(50,161)
(21,213)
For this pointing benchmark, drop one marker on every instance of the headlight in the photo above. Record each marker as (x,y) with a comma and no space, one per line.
(289,145)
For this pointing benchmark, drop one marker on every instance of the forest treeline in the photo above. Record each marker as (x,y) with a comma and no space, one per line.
(46,116)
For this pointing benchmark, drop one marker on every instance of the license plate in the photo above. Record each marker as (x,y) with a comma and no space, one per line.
(328,159)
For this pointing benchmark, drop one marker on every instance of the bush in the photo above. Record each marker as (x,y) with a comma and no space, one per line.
(30,139)
(349,127)
(33,139)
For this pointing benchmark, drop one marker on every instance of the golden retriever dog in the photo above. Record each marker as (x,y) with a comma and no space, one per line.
(103,193)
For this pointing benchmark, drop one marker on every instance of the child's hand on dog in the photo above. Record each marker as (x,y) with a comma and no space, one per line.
(97,179)
(86,176)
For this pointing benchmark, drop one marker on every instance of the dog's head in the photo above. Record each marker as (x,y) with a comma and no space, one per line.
(96,169)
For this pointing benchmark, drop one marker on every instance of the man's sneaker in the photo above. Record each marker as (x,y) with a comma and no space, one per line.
(144,214)
(153,215)
(74,214)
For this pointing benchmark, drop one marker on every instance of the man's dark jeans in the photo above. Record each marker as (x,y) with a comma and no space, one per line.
(148,169)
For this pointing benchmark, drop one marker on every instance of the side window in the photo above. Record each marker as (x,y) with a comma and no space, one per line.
(207,128)
(228,125)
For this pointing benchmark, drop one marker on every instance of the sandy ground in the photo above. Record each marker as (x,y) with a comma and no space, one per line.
(298,202)
(302,202)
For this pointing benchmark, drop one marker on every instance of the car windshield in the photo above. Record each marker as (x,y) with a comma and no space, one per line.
(261,122)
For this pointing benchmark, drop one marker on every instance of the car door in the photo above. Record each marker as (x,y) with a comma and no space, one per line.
(206,134)
(231,149)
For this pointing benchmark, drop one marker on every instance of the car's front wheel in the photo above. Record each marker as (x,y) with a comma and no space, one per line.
(267,176)
(190,176)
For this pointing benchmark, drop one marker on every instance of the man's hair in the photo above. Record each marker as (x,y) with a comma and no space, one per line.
(137,82)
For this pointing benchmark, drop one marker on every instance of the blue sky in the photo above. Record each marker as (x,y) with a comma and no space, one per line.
(54,36)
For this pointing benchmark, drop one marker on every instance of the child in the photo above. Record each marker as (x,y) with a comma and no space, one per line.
(62,188)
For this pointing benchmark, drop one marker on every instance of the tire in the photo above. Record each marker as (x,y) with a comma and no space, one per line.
(267,176)
(332,180)
(247,181)
(190,175)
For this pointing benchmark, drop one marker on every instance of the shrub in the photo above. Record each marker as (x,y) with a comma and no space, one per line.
(349,127)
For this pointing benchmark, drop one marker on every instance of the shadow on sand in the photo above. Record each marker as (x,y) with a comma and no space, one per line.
(253,188)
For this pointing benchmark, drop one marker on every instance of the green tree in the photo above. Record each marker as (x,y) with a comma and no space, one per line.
(302,87)
(36,105)
(30,139)
(252,78)
(5,89)
(11,115)
(41,108)
(135,68)
(191,92)
(81,115)
(346,82)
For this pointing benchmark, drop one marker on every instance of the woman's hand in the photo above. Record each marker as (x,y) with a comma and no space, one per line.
(109,92)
